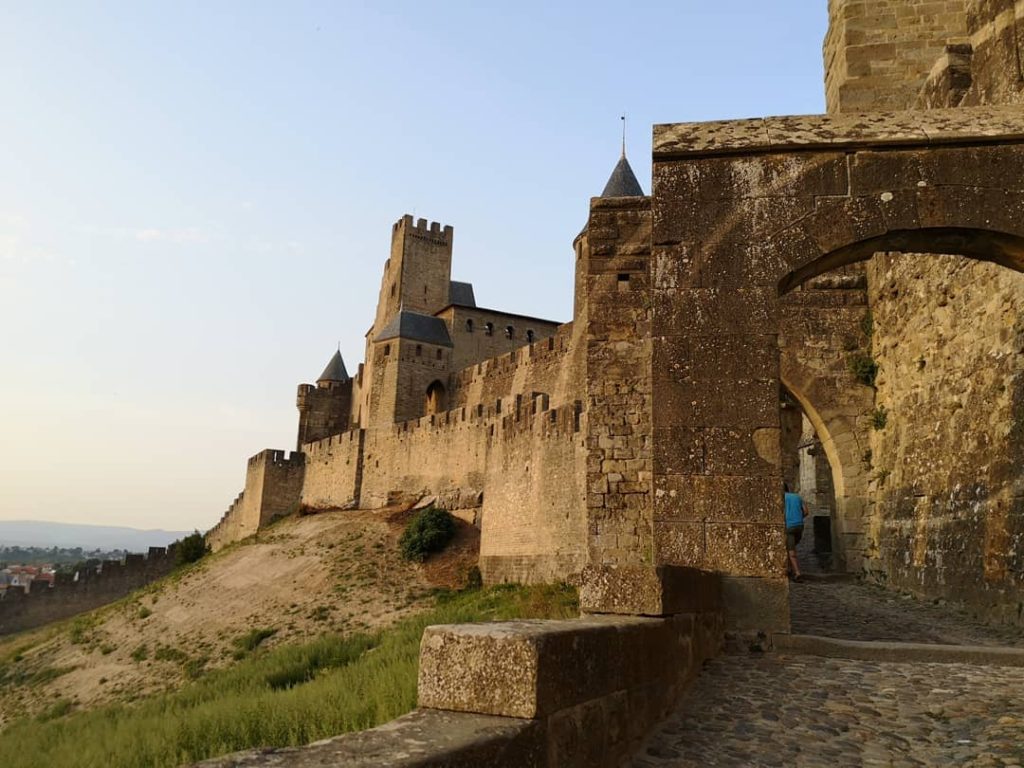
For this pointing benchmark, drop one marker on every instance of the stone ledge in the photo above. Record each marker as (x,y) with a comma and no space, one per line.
(920,653)
(880,129)
(532,669)
(421,739)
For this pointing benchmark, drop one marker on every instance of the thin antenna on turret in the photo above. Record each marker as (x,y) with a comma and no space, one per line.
(623,118)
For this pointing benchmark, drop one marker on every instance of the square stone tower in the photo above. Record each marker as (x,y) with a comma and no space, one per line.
(878,53)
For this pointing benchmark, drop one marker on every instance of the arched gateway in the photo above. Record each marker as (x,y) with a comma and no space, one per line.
(742,212)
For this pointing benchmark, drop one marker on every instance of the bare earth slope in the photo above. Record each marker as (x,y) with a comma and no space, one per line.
(335,571)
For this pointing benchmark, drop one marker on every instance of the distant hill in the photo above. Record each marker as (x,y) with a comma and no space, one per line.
(32,533)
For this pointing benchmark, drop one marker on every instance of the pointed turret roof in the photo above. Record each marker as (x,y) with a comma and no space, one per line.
(622,182)
(335,370)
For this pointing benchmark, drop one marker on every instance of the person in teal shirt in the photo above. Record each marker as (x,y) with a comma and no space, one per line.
(796,511)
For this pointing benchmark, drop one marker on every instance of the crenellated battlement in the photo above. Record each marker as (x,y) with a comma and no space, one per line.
(83,590)
(423,228)
(272,456)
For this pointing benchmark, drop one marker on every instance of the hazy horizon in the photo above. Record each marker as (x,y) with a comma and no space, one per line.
(199,199)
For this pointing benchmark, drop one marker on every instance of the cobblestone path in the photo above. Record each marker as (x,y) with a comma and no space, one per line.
(854,610)
(805,712)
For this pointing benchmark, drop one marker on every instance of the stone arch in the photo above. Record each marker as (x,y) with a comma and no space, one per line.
(1002,248)
(745,211)
(436,398)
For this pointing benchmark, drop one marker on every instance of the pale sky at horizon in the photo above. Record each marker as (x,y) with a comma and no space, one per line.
(197,198)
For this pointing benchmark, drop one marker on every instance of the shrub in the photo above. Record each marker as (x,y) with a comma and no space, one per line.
(863,367)
(879,417)
(250,641)
(141,653)
(190,549)
(428,532)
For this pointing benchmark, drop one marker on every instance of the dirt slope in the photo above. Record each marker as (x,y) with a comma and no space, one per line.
(335,571)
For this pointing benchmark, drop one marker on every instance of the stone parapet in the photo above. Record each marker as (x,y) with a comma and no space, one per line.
(579,693)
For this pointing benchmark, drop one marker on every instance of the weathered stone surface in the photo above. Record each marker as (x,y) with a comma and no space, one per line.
(532,668)
(422,739)
(894,128)
(648,591)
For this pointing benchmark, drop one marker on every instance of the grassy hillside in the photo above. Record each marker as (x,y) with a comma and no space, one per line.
(336,572)
(288,695)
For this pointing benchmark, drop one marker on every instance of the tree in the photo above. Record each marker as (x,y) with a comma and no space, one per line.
(190,548)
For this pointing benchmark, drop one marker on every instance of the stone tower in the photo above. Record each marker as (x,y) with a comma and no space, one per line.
(417,275)
(324,410)
(878,53)
(408,350)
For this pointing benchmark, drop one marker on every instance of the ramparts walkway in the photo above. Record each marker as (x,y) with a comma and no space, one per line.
(782,709)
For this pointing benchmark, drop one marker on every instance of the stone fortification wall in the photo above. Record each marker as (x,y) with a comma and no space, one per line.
(521,467)
(552,367)
(72,594)
(334,468)
(948,519)
(480,334)
(273,487)
(942,516)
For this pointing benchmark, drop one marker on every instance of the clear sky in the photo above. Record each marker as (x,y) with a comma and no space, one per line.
(196,201)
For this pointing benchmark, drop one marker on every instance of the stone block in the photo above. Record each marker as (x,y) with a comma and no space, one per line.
(647,590)
(746,549)
(682,498)
(533,669)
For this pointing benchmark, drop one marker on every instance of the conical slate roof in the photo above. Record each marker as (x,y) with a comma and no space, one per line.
(622,182)
(335,370)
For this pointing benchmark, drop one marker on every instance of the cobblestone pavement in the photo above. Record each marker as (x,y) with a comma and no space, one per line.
(855,610)
(805,712)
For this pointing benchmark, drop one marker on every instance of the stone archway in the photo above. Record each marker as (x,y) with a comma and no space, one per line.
(436,398)
(746,208)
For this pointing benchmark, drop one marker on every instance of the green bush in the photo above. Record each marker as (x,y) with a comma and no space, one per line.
(428,532)
(879,418)
(863,367)
(190,549)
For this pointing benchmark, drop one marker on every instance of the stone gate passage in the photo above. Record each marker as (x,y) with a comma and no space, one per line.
(743,212)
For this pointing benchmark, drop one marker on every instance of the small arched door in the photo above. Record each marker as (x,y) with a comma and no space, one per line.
(436,398)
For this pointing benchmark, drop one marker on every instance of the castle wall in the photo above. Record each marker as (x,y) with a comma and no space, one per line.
(273,487)
(552,367)
(42,604)
(473,343)
(334,471)
(942,517)
(533,521)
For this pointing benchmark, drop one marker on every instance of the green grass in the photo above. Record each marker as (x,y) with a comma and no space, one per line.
(287,695)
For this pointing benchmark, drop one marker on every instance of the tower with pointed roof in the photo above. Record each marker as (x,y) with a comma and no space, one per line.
(325,409)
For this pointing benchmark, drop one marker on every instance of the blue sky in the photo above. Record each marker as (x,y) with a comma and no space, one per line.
(196,201)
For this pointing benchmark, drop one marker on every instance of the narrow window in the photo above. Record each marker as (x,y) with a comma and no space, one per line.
(529,336)
(489,329)
(439,354)
(469,325)
(419,350)
(509,331)
(387,350)
(392,289)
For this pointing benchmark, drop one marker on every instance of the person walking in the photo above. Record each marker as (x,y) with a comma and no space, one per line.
(796,511)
